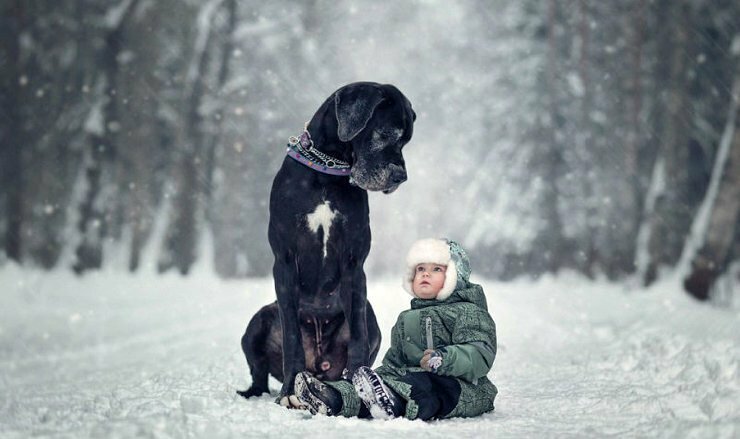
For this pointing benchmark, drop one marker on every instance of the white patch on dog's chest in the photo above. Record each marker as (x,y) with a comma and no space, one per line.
(322,217)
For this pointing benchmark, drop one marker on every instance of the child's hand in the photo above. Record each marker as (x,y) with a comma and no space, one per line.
(431,360)
(424,363)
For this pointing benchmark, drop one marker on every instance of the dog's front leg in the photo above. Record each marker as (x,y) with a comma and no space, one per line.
(354,303)
(287,289)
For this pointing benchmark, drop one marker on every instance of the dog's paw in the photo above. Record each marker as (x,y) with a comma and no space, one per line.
(283,401)
(250,392)
(296,403)
(290,402)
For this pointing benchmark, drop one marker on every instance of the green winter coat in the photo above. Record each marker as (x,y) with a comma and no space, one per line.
(463,332)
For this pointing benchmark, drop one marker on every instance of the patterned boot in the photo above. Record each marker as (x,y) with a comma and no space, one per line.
(317,396)
(382,402)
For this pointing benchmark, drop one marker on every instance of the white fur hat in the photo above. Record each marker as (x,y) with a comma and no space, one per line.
(442,252)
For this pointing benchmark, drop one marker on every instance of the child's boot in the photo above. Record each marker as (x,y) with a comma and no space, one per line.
(317,396)
(381,401)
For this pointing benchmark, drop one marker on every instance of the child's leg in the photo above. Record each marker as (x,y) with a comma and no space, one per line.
(435,395)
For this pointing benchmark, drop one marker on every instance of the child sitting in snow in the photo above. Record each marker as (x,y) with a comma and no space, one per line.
(441,349)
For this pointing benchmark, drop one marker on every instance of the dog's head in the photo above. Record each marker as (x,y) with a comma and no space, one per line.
(376,120)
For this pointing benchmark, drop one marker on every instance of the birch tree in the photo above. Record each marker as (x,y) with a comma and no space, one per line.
(716,225)
(669,219)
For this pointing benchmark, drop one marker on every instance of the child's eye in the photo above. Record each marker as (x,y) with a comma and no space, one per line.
(420,268)
(437,268)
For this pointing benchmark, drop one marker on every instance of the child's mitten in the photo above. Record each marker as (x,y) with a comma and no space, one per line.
(435,360)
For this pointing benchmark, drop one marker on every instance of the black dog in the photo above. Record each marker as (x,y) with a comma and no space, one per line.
(319,232)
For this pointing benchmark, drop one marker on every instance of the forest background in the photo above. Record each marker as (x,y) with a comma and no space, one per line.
(599,137)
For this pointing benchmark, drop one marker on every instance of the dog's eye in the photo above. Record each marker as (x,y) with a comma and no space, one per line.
(388,134)
(380,135)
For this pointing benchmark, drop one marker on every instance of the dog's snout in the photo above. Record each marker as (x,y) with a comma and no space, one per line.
(399,176)
(325,366)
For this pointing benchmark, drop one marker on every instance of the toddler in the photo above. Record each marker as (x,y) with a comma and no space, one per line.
(441,349)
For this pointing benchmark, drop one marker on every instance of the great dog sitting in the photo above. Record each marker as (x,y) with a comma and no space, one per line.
(319,232)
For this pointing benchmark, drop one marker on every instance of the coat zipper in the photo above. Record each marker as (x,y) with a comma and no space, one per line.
(430,339)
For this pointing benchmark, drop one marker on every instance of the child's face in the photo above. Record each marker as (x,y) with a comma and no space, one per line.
(428,280)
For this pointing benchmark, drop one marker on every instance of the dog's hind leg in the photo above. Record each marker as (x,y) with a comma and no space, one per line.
(254,343)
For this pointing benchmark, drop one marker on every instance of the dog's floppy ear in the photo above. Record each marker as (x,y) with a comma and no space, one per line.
(354,106)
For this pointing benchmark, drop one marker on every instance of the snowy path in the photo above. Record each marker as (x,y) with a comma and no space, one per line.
(116,356)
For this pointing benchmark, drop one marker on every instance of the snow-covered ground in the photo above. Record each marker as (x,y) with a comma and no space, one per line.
(114,355)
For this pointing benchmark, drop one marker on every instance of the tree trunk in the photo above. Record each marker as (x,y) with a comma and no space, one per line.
(670,221)
(182,236)
(93,210)
(138,182)
(589,252)
(12,136)
(219,116)
(712,258)
(97,208)
(553,241)
(631,198)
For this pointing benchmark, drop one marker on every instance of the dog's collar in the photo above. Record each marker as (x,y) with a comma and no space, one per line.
(302,149)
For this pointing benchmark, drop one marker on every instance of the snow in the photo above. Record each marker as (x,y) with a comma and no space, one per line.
(117,355)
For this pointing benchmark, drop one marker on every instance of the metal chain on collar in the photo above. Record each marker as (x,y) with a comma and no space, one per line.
(309,151)
(330,161)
